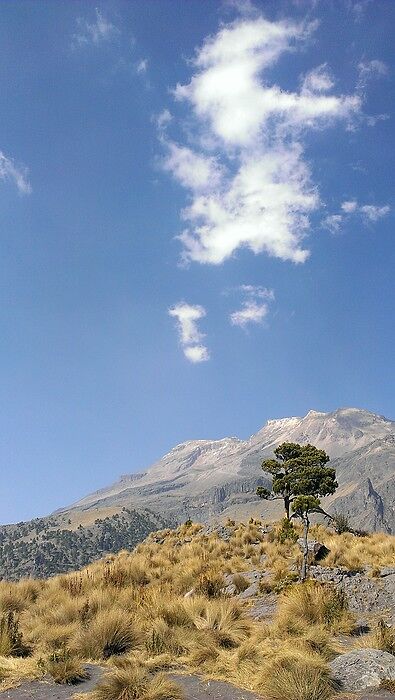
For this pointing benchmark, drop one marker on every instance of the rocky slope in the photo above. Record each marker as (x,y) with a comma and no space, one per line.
(204,478)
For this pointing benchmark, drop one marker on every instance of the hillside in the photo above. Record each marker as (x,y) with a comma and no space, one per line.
(47,546)
(215,602)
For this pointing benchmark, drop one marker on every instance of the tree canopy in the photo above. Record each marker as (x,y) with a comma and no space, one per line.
(299,470)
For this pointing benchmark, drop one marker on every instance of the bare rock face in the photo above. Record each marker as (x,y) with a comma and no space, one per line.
(364,593)
(362,669)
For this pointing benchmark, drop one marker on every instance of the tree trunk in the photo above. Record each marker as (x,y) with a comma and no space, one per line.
(287,506)
(306,525)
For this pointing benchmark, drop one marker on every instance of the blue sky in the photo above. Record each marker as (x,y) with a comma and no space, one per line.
(196,228)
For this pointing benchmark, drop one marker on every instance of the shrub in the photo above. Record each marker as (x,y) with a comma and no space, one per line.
(287,532)
(11,643)
(341,523)
(240,582)
(383,638)
(210,585)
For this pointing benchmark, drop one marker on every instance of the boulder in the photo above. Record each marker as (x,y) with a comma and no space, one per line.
(364,594)
(317,550)
(362,669)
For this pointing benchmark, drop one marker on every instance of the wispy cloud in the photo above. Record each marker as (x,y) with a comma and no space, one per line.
(18,174)
(142,66)
(370,213)
(255,306)
(187,316)
(96,32)
(249,184)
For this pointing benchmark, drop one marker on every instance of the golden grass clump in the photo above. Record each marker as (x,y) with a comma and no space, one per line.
(110,633)
(64,668)
(296,682)
(312,603)
(130,681)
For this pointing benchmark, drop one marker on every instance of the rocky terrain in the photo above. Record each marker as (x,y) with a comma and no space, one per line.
(208,479)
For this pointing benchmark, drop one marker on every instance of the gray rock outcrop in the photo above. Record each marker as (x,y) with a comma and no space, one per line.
(362,669)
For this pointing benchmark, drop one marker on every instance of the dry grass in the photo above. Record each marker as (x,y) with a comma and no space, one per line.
(65,669)
(129,611)
(297,682)
(130,681)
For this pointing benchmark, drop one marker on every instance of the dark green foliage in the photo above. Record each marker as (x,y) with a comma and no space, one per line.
(299,470)
(287,532)
(341,523)
(11,643)
(55,549)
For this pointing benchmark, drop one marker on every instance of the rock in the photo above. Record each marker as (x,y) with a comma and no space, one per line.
(364,594)
(264,607)
(316,549)
(362,669)
(190,593)
(224,532)
(249,592)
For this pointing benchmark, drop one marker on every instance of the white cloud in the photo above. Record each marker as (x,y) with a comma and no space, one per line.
(350,206)
(257,291)
(264,208)
(14,173)
(359,8)
(253,309)
(251,312)
(333,223)
(192,170)
(142,66)
(318,80)
(372,69)
(187,316)
(248,181)
(100,30)
(196,353)
(372,212)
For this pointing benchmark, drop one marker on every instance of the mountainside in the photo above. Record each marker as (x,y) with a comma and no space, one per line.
(202,478)
(205,479)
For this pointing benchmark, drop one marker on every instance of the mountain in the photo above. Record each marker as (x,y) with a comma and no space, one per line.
(205,479)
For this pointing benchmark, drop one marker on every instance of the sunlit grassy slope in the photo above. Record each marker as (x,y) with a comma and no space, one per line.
(164,606)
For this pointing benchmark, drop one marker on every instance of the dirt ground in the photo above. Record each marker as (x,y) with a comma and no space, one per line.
(194,689)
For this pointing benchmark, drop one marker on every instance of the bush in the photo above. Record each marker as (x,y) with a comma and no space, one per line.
(312,603)
(11,643)
(384,638)
(341,523)
(240,582)
(287,532)
(210,585)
